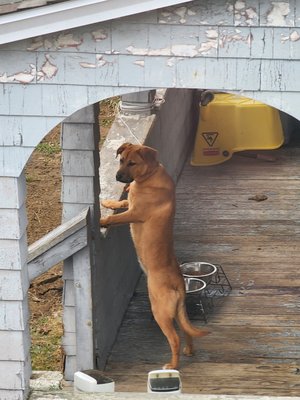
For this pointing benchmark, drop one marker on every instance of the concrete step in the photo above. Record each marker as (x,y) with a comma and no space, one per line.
(46,386)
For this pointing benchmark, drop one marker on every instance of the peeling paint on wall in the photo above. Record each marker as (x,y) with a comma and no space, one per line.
(87,65)
(100,60)
(137,51)
(293,37)
(36,44)
(184,50)
(236,35)
(277,15)
(172,14)
(23,77)
(141,63)
(67,40)
(211,44)
(99,35)
(245,15)
(181,12)
(171,62)
(48,69)
(62,41)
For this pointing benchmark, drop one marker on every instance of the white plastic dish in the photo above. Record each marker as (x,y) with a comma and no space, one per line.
(86,382)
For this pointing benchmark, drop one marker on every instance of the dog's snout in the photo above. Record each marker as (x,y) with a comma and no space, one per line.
(118,176)
(122,177)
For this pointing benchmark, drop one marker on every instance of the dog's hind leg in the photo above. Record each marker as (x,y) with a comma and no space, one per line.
(168,329)
(164,313)
(188,349)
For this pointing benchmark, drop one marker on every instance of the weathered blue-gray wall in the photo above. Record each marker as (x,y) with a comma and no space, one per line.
(249,47)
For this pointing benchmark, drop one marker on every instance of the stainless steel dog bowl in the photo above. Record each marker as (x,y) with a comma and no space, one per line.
(197,269)
(193,285)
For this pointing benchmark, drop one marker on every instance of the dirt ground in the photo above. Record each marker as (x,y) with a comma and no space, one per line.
(44,209)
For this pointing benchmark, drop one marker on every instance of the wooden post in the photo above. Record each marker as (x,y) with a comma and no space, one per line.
(80,188)
(15,368)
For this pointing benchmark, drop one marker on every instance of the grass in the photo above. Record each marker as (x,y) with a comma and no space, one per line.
(46,333)
(30,178)
(48,148)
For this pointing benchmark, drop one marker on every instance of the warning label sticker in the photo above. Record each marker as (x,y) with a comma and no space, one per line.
(211,152)
(210,137)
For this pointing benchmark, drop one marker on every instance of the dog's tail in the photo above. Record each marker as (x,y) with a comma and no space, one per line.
(185,323)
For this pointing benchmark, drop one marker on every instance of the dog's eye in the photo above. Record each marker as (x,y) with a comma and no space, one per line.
(121,160)
(131,163)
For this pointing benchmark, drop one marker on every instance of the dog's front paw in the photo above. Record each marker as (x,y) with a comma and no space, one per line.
(109,204)
(104,222)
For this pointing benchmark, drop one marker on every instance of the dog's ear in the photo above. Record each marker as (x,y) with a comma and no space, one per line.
(148,154)
(122,148)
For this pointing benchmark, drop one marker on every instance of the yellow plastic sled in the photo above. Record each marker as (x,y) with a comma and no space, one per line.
(233,123)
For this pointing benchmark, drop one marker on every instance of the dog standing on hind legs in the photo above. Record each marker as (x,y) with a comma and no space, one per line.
(150,213)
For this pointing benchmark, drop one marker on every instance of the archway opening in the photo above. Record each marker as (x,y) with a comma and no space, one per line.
(224,245)
(44,213)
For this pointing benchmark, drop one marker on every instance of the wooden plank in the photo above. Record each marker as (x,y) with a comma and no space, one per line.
(68,269)
(14,190)
(12,394)
(69,343)
(13,223)
(273,305)
(12,375)
(71,209)
(80,188)
(262,214)
(69,294)
(13,253)
(77,136)
(82,265)
(13,159)
(82,116)
(270,267)
(78,163)
(70,368)
(14,315)
(69,319)
(14,345)
(58,253)
(13,284)
(58,235)
(290,320)
(276,228)
(239,204)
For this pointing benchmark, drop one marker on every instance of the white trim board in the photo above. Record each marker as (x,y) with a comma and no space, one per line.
(71,14)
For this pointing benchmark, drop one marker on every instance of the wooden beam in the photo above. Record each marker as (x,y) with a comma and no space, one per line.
(59,244)
(82,264)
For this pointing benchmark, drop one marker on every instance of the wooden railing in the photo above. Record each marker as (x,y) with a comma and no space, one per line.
(58,245)
(72,241)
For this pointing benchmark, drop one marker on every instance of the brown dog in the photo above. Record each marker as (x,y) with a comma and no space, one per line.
(151,208)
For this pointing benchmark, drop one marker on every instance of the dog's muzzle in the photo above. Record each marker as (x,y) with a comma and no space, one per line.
(123,178)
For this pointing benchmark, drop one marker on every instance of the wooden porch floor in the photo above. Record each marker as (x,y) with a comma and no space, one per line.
(254,346)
